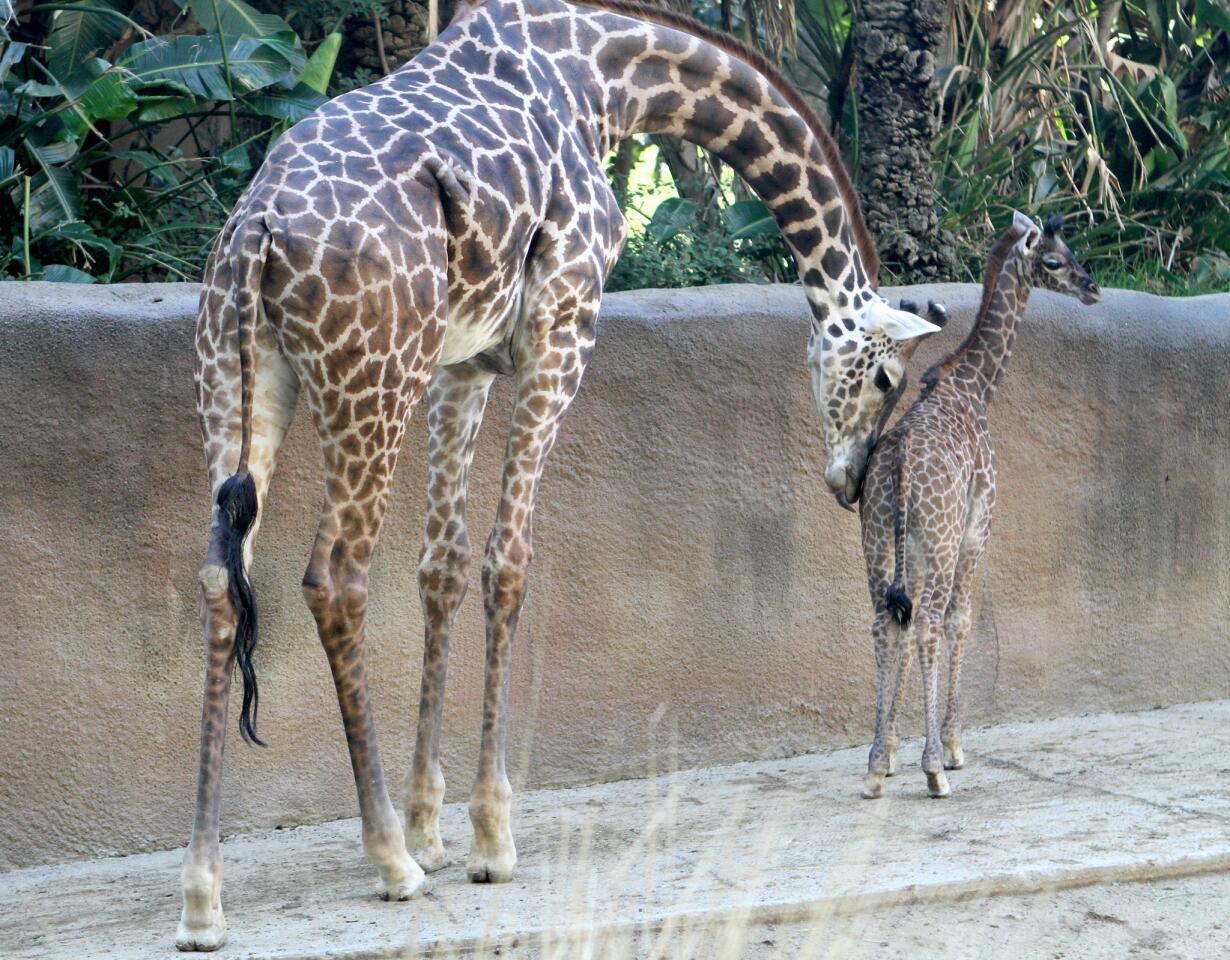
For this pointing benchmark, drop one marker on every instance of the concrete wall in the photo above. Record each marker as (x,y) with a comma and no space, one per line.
(696,597)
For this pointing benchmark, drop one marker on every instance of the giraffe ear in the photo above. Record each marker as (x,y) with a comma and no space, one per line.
(1030,232)
(897,324)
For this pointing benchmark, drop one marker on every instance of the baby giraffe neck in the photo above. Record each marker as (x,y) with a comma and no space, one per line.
(977,365)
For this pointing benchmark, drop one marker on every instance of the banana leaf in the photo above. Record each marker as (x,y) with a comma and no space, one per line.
(79,33)
(194,65)
(749,218)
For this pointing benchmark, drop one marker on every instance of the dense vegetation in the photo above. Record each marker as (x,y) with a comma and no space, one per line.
(125,138)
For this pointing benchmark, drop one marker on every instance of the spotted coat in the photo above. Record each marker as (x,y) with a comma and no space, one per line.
(450,222)
(929,495)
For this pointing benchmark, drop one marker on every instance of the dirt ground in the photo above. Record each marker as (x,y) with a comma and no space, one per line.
(1081,838)
(1179,919)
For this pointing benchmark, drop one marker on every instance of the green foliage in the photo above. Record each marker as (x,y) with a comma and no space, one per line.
(121,153)
(678,249)
(1122,125)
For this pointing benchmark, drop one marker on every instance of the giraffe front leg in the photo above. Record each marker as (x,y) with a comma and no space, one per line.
(456,398)
(550,362)
(493,854)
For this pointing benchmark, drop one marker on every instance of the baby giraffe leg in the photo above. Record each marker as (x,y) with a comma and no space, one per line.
(890,646)
(927,629)
(891,740)
(957,623)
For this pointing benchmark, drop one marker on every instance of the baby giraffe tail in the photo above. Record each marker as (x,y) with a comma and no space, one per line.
(898,601)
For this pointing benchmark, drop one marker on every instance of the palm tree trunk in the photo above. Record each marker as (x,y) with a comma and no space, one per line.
(895,45)
(384,45)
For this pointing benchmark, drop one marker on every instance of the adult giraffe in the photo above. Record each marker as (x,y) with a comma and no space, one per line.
(449,222)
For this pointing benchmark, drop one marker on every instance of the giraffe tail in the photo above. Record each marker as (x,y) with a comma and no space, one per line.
(898,601)
(237,500)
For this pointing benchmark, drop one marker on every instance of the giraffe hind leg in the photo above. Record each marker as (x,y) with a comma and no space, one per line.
(361,393)
(958,620)
(202,922)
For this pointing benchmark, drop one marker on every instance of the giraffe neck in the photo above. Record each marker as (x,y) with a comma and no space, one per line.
(663,73)
(978,364)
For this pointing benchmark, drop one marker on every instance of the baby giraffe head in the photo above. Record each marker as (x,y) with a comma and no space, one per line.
(1052,266)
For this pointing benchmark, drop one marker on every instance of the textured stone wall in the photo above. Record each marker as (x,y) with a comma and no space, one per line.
(695,598)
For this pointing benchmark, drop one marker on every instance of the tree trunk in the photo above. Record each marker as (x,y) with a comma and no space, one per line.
(898,114)
(384,47)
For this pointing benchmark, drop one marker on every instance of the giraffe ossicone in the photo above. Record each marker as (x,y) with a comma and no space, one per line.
(928,499)
(418,236)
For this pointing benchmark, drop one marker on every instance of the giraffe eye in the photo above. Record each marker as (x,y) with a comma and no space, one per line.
(1052,263)
(883,384)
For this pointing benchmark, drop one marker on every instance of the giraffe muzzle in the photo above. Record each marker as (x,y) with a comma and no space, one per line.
(848,494)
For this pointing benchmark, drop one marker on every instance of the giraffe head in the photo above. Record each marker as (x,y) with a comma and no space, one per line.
(1052,266)
(857,366)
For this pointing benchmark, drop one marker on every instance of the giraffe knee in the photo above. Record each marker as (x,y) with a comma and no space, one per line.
(442,573)
(504,576)
(958,622)
(214,581)
(317,591)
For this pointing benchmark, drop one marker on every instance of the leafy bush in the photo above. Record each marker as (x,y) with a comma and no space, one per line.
(121,153)
(1117,115)
(678,249)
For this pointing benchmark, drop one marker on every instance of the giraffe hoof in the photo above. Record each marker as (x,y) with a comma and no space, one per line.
(404,883)
(201,938)
(954,758)
(937,785)
(496,865)
(873,786)
(202,924)
(486,873)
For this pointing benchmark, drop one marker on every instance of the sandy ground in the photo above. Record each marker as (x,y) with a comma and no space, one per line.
(1126,815)
(1180,919)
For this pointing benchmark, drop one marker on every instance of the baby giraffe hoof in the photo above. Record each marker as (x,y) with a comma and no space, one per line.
(954,758)
(937,785)
(873,786)
(402,883)
(892,764)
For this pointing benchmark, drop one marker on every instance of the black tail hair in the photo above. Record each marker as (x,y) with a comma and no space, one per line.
(895,597)
(236,513)
(899,605)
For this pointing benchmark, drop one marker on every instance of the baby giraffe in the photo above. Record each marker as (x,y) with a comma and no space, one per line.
(928,495)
